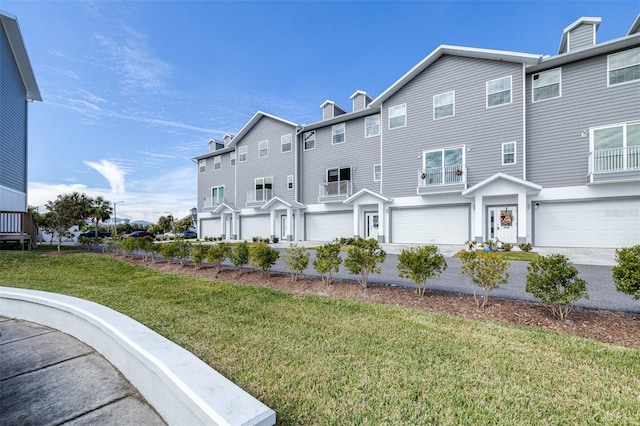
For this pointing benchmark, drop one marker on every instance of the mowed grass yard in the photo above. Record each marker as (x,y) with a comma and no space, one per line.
(322,361)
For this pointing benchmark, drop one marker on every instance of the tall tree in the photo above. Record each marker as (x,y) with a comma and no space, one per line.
(78,207)
(100,210)
(60,216)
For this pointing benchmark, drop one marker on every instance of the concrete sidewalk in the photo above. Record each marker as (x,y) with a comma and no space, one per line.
(48,377)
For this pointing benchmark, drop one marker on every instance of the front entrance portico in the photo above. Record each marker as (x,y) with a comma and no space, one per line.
(368,209)
(500,208)
(228,220)
(287,208)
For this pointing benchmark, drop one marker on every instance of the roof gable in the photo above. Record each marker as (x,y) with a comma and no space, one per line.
(581,21)
(253,122)
(530,187)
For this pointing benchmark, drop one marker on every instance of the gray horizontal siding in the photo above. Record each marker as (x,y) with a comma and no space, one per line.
(225,176)
(557,154)
(357,152)
(13,121)
(276,164)
(482,129)
(581,37)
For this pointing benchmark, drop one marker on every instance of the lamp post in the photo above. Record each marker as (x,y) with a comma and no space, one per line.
(115,219)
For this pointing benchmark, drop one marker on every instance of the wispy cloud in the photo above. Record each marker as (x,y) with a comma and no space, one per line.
(111,172)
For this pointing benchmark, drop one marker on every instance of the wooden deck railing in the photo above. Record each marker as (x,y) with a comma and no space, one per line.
(18,227)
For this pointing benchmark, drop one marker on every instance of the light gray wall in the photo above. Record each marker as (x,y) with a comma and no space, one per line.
(13,121)
(483,129)
(557,154)
(581,37)
(276,164)
(210,178)
(357,152)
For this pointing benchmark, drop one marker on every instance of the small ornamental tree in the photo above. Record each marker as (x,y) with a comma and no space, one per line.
(626,272)
(182,249)
(217,253)
(198,254)
(554,281)
(128,246)
(485,270)
(167,250)
(296,260)
(263,257)
(419,264)
(363,258)
(239,256)
(327,261)
(152,249)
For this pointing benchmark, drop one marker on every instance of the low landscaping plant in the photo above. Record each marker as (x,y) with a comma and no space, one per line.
(554,280)
(327,261)
(198,254)
(420,264)
(239,256)
(296,260)
(218,253)
(263,257)
(507,246)
(363,258)
(525,247)
(626,272)
(486,270)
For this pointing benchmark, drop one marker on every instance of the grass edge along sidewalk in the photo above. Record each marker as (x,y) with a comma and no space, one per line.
(316,360)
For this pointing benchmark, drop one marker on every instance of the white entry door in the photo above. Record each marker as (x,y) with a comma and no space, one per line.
(371,225)
(503,224)
(283,226)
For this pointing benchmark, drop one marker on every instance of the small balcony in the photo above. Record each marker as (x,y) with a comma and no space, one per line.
(211,203)
(334,191)
(258,197)
(614,164)
(442,179)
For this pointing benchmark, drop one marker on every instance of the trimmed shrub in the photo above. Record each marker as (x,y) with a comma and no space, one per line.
(419,264)
(327,261)
(554,281)
(262,256)
(198,254)
(296,260)
(626,272)
(507,246)
(217,253)
(239,256)
(363,259)
(485,270)
(525,247)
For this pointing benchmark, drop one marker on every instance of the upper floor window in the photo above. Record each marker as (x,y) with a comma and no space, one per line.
(285,143)
(242,154)
(217,195)
(372,126)
(377,172)
(546,85)
(290,182)
(232,159)
(499,91)
(263,188)
(443,105)
(624,66)
(397,116)
(443,166)
(508,153)
(337,133)
(263,149)
(217,162)
(616,147)
(202,165)
(309,140)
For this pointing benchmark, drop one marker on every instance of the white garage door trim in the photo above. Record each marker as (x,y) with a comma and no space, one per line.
(254,226)
(592,223)
(431,225)
(328,226)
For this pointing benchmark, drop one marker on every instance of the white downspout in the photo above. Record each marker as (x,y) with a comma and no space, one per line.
(524,122)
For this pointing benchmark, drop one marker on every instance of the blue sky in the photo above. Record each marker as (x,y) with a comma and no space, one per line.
(132,90)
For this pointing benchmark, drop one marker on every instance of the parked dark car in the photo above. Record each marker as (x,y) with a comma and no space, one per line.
(139,234)
(92,234)
(190,234)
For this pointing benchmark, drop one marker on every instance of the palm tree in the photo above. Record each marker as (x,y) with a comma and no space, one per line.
(100,210)
(79,206)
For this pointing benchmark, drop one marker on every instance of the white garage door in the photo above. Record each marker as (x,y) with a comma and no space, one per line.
(610,224)
(254,226)
(329,226)
(210,228)
(432,225)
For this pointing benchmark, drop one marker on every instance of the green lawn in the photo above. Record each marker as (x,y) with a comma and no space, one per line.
(510,255)
(316,360)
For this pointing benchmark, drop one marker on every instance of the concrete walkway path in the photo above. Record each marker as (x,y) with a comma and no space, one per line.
(48,377)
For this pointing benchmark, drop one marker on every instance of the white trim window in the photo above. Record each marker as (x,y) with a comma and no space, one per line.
(397,116)
(546,85)
(263,149)
(508,153)
(337,133)
(623,67)
(444,105)
(372,126)
(217,162)
(615,147)
(443,166)
(202,165)
(242,154)
(217,195)
(290,182)
(377,172)
(263,188)
(499,91)
(309,140)
(232,159)
(285,143)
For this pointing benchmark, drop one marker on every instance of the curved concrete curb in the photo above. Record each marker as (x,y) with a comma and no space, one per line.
(181,388)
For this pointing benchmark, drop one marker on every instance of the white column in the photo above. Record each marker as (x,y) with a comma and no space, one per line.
(234,225)
(478,228)
(381,222)
(289,232)
(272,216)
(222,218)
(356,217)
(522,217)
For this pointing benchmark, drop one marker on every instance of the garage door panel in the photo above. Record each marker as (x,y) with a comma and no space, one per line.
(210,228)
(329,226)
(606,224)
(254,226)
(433,225)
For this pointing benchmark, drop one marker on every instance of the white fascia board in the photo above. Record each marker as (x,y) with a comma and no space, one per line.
(358,92)
(529,185)
(253,121)
(565,33)
(635,26)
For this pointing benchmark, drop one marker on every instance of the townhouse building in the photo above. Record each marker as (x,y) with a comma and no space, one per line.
(470,143)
